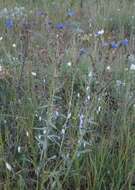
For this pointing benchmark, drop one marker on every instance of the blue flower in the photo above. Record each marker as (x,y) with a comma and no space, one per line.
(60,26)
(124,42)
(71,13)
(114,45)
(9,23)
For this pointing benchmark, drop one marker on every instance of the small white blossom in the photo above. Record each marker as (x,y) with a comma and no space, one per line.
(63,131)
(132,67)
(87,88)
(14,45)
(69,64)
(108,68)
(84,144)
(88,97)
(99,99)
(99,33)
(1,38)
(40,118)
(44,132)
(27,133)
(1,68)
(39,136)
(78,95)
(131,59)
(99,109)
(34,74)
(69,115)
(56,114)
(90,74)
(119,83)
(19,149)
(5,121)
(8,166)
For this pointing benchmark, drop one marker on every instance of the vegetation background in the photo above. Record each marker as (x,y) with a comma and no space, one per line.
(67,95)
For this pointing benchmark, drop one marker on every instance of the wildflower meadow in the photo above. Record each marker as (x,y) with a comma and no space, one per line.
(67,95)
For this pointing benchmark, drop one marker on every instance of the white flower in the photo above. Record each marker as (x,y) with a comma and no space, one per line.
(44,132)
(87,88)
(14,45)
(63,131)
(56,114)
(8,166)
(84,144)
(39,136)
(19,149)
(69,64)
(40,118)
(131,59)
(1,68)
(132,67)
(99,99)
(1,38)
(27,133)
(5,121)
(34,74)
(99,33)
(69,115)
(108,68)
(90,74)
(99,109)
(88,97)
(78,95)
(119,83)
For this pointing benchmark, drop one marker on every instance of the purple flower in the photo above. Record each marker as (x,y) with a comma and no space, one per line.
(124,42)
(9,23)
(71,13)
(60,26)
(114,45)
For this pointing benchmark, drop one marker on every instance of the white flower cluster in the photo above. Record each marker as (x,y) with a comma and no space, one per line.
(13,12)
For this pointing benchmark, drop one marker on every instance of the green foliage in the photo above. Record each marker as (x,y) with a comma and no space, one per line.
(66,101)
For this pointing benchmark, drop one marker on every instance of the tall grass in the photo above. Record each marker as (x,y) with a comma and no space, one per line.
(66,99)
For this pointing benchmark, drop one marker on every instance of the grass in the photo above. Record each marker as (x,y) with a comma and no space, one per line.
(67,96)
